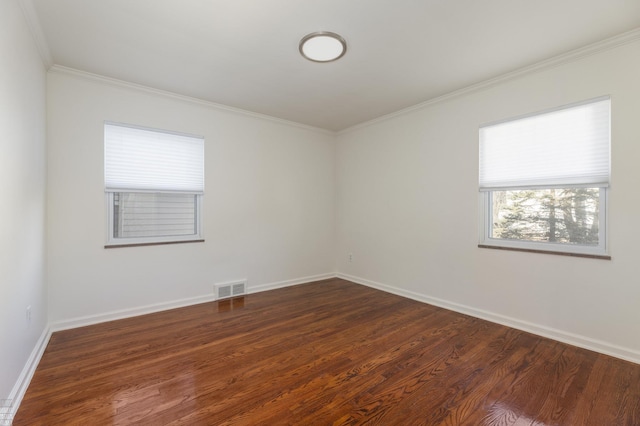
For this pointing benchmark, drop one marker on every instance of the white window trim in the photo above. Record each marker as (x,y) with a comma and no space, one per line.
(485,228)
(125,173)
(115,242)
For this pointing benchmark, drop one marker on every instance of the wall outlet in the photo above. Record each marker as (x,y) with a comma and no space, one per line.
(29,314)
(350,257)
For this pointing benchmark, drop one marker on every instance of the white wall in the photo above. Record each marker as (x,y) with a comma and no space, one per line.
(407,208)
(22,187)
(285,204)
(268,206)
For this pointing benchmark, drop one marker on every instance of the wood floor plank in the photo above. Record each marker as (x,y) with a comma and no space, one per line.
(326,353)
(470,395)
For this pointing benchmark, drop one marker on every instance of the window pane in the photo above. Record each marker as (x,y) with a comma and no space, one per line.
(561,215)
(139,215)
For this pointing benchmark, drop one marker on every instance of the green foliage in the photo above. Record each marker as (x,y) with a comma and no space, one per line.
(568,215)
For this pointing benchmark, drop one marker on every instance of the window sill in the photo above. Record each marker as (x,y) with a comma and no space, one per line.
(162,243)
(561,253)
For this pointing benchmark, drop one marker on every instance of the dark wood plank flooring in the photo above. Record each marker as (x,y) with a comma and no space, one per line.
(331,352)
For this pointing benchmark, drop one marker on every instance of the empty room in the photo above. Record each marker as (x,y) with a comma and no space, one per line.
(285,212)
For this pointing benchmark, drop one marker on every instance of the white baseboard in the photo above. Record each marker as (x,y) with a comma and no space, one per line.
(180,303)
(584,342)
(128,313)
(8,411)
(289,283)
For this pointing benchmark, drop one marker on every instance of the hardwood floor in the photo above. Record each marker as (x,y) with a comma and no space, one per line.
(331,352)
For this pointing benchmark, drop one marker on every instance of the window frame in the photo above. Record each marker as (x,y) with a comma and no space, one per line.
(198,192)
(485,205)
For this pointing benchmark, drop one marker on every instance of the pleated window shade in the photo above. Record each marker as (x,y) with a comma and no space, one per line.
(566,147)
(144,160)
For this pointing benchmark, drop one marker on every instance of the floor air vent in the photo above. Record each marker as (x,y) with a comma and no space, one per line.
(224,291)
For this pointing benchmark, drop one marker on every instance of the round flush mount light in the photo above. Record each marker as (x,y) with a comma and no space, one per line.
(323,46)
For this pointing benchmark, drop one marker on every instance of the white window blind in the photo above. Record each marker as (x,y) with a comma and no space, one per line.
(143,160)
(561,148)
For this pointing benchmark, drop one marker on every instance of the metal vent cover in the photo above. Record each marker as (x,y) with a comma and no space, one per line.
(232,289)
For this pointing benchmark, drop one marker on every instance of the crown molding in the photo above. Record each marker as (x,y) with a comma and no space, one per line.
(576,54)
(59,69)
(33,22)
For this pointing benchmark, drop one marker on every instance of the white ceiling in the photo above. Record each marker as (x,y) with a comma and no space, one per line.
(244,53)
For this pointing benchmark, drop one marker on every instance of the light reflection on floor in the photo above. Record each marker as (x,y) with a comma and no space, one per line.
(502,414)
(227,305)
(132,403)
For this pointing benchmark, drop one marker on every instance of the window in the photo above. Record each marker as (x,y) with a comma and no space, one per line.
(544,180)
(154,181)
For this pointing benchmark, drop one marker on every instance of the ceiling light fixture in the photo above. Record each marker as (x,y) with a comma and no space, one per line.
(323,46)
